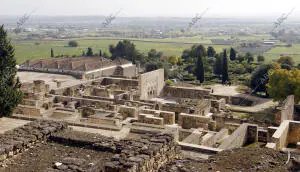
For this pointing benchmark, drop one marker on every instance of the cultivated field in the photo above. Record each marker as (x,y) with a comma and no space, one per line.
(41,49)
(171,46)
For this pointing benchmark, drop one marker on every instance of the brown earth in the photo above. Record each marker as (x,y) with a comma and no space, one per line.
(244,159)
(44,156)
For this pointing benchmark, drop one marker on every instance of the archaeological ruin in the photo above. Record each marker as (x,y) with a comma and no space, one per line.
(133,122)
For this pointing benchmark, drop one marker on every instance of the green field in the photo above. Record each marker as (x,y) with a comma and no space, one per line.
(275,53)
(30,50)
(170,46)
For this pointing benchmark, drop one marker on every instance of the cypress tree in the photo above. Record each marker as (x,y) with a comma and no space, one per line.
(211,52)
(89,52)
(10,94)
(225,67)
(100,53)
(200,69)
(218,68)
(232,54)
(52,53)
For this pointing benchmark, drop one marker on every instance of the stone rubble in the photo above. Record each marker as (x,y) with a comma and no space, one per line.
(18,140)
(142,155)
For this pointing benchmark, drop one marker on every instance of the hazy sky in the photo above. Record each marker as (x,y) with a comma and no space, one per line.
(153,8)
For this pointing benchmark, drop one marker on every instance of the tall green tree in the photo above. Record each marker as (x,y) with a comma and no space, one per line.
(286,60)
(225,67)
(283,83)
(240,58)
(218,68)
(260,58)
(52,53)
(199,51)
(10,94)
(211,52)
(89,52)
(100,53)
(232,54)
(260,77)
(125,49)
(200,69)
(249,57)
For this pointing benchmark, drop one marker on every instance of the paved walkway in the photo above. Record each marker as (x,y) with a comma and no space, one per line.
(7,124)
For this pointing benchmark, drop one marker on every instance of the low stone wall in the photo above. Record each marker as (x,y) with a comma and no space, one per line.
(216,138)
(29,102)
(218,104)
(246,133)
(222,119)
(107,105)
(126,111)
(294,132)
(27,110)
(150,119)
(187,121)
(281,135)
(169,117)
(124,84)
(184,92)
(103,120)
(16,141)
(143,155)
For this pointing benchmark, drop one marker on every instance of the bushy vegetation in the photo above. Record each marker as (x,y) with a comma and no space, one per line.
(283,83)
(73,44)
(169,83)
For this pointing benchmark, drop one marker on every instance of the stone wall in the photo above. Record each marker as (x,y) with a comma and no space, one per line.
(222,120)
(246,133)
(287,109)
(281,135)
(150,119)
(129,71)
(184,92)
(29,102)
(187,121)
(123,84)
(151,84)
(217,138)
(103,120)
(107,105)
(16,141)
(62,90)
(218,104)
(27,110)
(171,107)
(168,117)
(146,154)
(294,132)
(126,111)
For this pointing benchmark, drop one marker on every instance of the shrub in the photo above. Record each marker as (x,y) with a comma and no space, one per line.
(260,58)
(169,83)
(73,44)
(240,69)
(286,60)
